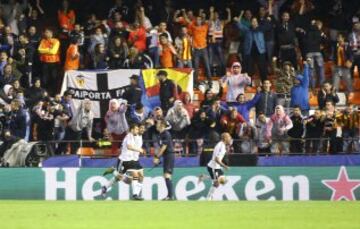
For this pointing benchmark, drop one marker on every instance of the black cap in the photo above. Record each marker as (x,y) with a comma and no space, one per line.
(134,77)
(162,73)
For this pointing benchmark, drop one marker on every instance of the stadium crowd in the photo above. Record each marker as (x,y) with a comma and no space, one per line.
(278,47)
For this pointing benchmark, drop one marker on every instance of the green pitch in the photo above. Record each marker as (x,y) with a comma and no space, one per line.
(186,215)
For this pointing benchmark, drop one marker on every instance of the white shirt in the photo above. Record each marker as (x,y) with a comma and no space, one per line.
(138,144)
(219,152)
(126,154)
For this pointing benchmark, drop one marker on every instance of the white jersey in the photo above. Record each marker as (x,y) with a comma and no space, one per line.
(138,144)
(219,152)
(126,154)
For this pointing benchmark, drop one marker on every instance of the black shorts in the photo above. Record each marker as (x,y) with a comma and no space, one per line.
(169,162)
(128,166)
(215,173)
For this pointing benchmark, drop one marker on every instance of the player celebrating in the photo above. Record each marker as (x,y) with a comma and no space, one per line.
(216,165)
(130,150)
(167,152)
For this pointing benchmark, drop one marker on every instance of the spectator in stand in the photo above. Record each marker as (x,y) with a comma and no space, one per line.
(35,93)
(235,81)
(243,106)
(286,38)
(303,13)
(80,123)
(137,37)
(183,46)
(18,121)
(116,123)
(121,8)
(300,91)
(179,120)
(118,52)
(49,56)
(272,5)
(216,35)
(188,104)
(137,60)
(72,61)
(312,43)
(247,135)
(6,95)
(276,131)
(350,120)
(267,21)
(343,62)
(199,31)
(163,29)
(167,91)
(167,52)
(8,76)
(327,93)
(297,131)
(215,112)
(99,37)
(61,119)
(332,143)
(138,113)
(354,40)
(100,58)
(262,142)
(210,96)
(268,100)
(254,46)
(231,123)
(133,92)
(314,129)
(284,81)
(66,17)
(201,127)
(153,46)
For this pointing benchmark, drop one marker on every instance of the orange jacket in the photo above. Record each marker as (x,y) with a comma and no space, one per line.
(72,58)
(66,21)
(49,50)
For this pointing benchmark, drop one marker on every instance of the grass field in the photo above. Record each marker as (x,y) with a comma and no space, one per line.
(186,215)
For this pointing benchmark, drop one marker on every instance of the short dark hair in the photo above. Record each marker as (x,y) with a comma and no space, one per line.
(162,73)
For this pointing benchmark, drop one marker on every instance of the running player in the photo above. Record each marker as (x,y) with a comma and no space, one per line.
(216,165)
(167,152)
(126,167)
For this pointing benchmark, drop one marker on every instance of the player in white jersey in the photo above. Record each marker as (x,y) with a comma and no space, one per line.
(216,165)
(126,167)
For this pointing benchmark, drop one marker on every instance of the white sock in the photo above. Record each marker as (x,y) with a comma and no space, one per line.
(135,187)
(139,186)
(110,183)
(211,192)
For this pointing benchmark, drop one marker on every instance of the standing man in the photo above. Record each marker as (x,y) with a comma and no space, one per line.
(49,56)
(216,165)
(199,31)
(268,100)
(167,91)
(166,150)
(133,92)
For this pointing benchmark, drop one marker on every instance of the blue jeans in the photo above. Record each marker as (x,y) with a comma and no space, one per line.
(316,68)
(184,63)
(197,55)
(216,49)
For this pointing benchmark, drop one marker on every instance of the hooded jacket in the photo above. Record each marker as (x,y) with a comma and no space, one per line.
(82,119)
(178,119)
(116,122)
(278,124)
(235,84)
(300,92)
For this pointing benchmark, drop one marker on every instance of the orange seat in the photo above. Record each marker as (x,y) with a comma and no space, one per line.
(86,151)
(355,99)
(313,100)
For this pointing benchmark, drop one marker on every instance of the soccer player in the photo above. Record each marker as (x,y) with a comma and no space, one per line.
(127,167)
(167,152)
(216,165)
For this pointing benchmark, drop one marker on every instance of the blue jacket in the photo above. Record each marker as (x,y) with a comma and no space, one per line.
(133,118)
(300,92)
(244,108)
(251,37)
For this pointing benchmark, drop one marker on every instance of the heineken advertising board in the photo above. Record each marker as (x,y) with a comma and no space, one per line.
(265,183)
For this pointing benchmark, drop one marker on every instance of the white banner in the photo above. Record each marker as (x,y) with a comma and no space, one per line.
(98,86)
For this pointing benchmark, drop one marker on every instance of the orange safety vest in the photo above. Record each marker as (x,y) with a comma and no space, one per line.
(49,50)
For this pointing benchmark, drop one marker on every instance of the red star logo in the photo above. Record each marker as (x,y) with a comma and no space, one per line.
(342,187)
